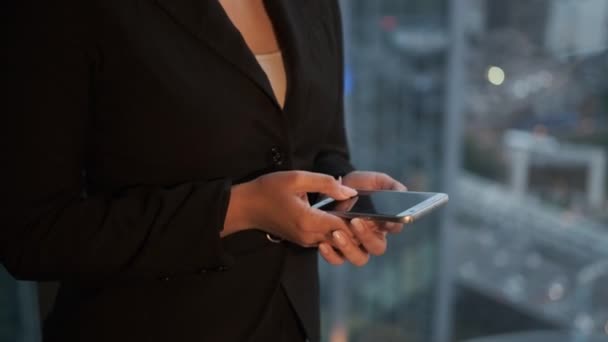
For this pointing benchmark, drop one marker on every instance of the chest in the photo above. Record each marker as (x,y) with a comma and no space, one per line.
(253,23)
(178,94)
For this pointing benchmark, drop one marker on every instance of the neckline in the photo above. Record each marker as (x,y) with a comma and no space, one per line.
(278,16)
(266,55)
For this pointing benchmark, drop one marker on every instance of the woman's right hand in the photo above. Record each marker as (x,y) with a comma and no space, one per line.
(278,203)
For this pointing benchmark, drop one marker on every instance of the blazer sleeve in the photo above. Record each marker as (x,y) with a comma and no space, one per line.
(333,158)
(49,230)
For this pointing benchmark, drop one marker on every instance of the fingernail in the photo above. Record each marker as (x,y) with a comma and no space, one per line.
(339,237)
(357,225)
(350,192)
(324,249)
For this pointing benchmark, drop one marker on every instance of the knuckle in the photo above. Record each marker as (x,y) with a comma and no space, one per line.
(348,248)
(382,249)
(296,177)
(336,262)
(301,223)
(396,228)
(362,261)
(300,236)
(364,235)
(378,251)
(332,259)
(391,226)
(271,179)
(382,175)
(307,227)
(327,181)
(367,223)
(307,240)
(262,181)
(298,226)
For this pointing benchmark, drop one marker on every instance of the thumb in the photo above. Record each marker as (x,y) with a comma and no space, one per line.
(327,185)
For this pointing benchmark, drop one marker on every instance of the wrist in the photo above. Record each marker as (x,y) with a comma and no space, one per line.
(239,213)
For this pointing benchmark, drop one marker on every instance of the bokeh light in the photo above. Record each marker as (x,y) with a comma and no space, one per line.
(496,75)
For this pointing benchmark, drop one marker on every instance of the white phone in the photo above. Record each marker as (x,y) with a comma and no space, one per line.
(385,205)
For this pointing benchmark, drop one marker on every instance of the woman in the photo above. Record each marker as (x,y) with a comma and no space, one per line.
(160,153)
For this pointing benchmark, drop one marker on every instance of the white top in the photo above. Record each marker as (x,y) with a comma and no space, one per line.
(272,64)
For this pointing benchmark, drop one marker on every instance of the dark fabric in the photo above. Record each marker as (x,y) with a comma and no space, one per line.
(280,322)
(124,125)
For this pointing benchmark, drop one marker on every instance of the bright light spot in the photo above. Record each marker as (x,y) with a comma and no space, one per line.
(556,291)
(496,75)
(606,328)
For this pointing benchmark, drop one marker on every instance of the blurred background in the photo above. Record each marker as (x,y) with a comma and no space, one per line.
(502,104)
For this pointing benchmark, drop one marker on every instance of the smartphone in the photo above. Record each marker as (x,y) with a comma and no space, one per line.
(385,205)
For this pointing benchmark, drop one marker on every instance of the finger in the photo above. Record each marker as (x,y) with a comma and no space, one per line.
(392,227)
(323,222)
(315,226)
(310,242)
(304,181)
(367,233)
(398,186)
(351,252)
(346,204)
(329,254)
(386,182)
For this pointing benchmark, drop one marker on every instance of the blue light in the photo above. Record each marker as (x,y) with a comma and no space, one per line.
(349,82)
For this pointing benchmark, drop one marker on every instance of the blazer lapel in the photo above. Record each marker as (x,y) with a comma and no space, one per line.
(207,20)
(289,34)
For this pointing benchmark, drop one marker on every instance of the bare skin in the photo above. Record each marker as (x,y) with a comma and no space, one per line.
(371,235)
(278,201)
(251,19)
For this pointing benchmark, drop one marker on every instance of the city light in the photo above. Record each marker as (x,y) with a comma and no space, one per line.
(496,75)
(388,23)
(556,291)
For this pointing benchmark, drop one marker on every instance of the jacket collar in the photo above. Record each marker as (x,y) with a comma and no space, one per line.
(207,20)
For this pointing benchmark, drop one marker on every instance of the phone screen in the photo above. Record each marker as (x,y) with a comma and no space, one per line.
(385,203)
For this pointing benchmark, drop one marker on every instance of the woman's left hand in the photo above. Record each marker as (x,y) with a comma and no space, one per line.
(366,237)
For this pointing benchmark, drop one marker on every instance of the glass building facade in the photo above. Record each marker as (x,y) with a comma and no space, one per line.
(504,105)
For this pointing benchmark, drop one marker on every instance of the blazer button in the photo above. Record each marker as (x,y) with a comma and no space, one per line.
(277,156)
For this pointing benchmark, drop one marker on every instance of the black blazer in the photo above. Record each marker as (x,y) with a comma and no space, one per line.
(125,125)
